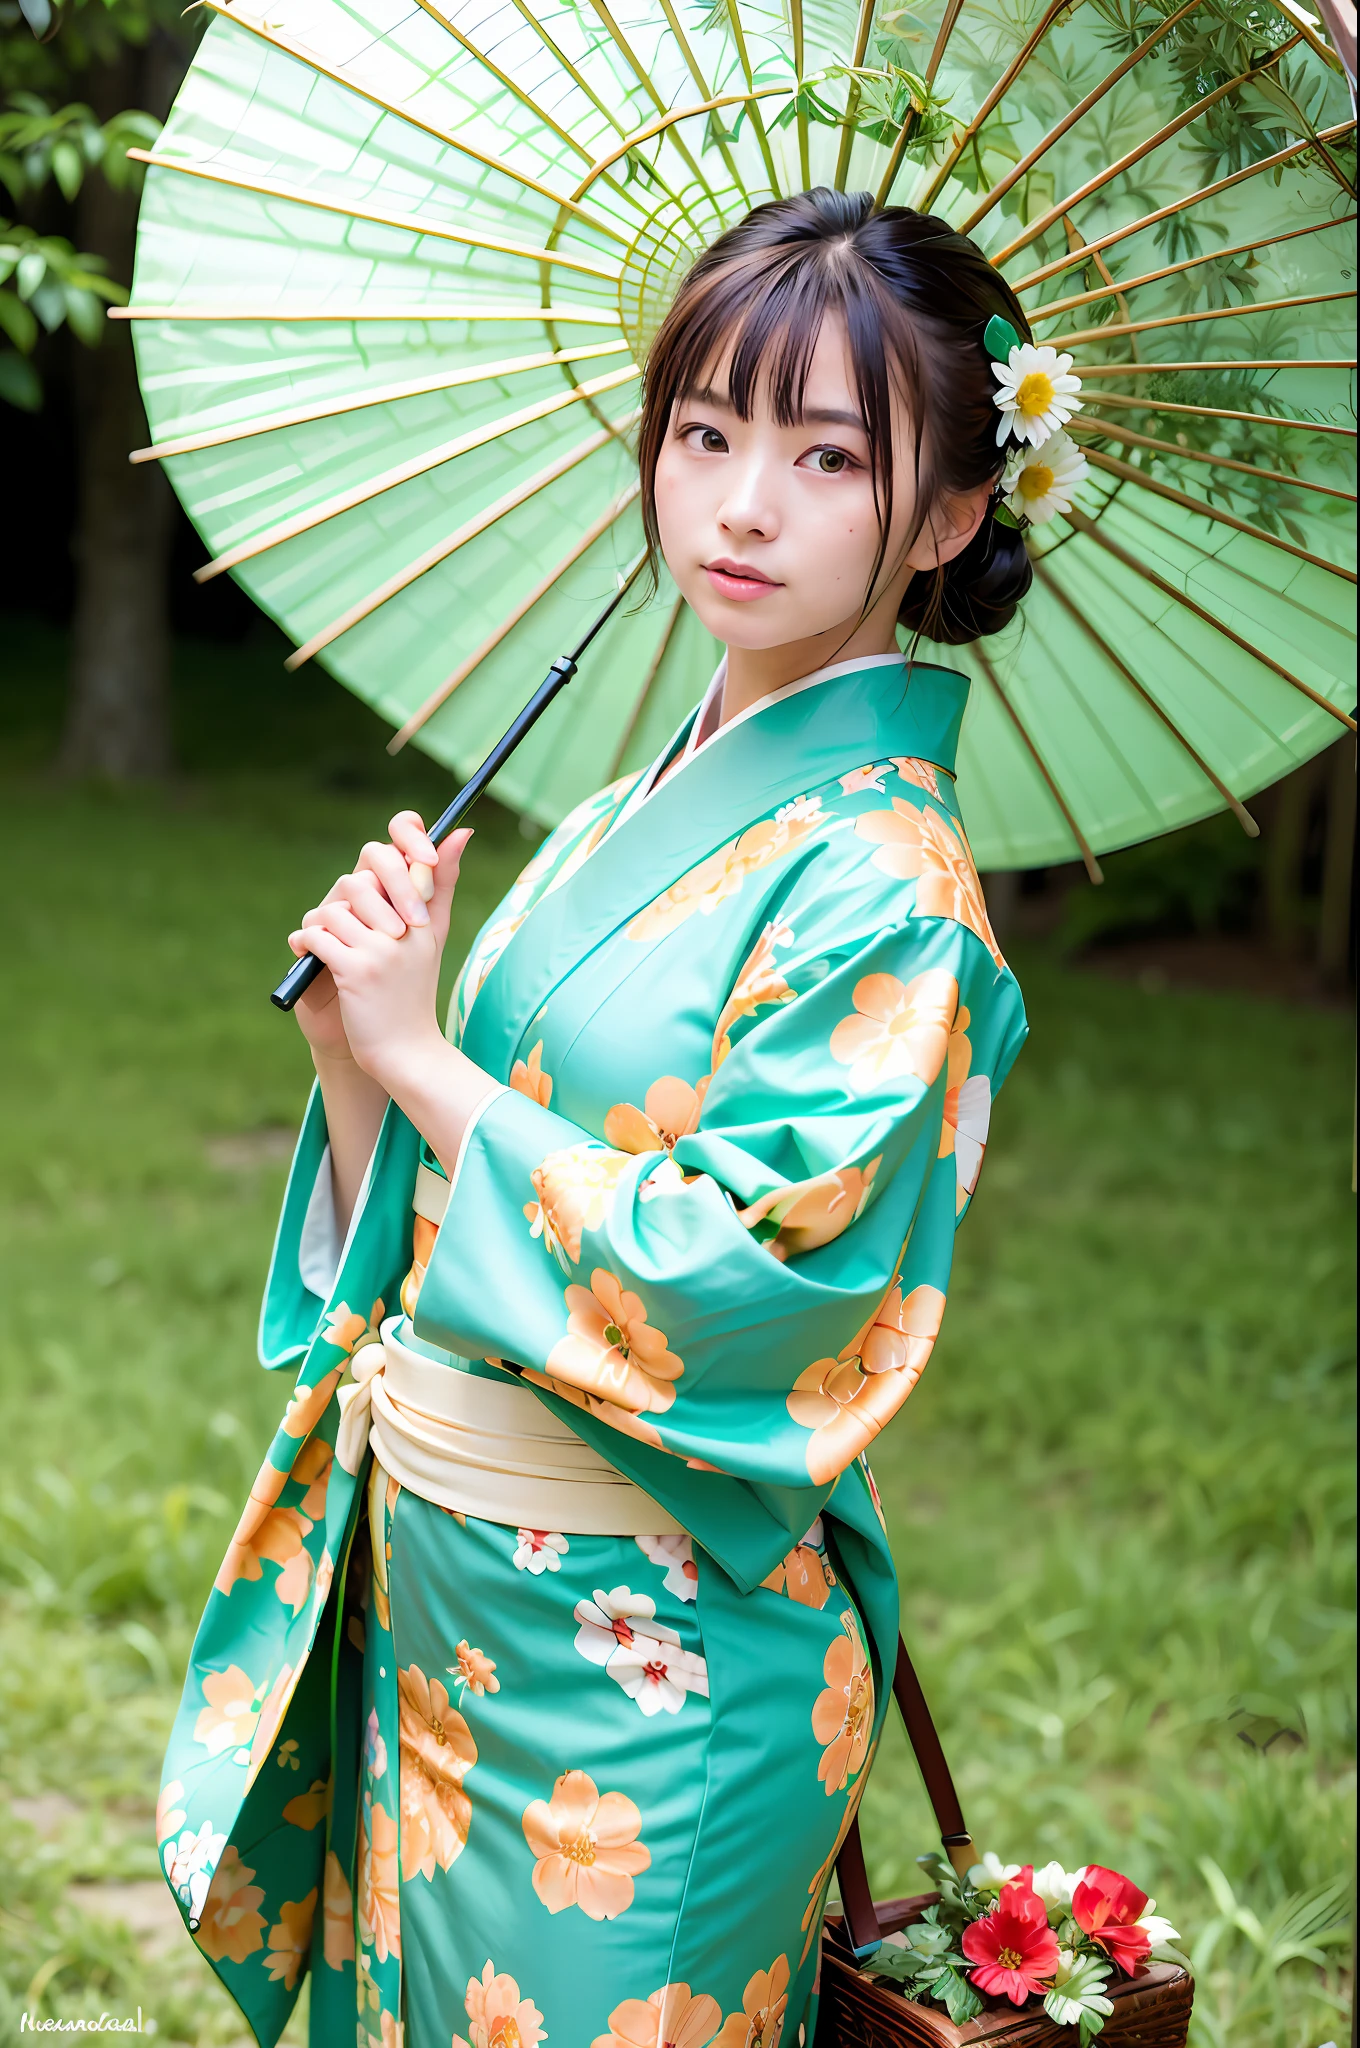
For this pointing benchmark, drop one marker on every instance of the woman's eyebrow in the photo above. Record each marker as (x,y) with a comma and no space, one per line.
(704,394)
(813,416)
(822,416)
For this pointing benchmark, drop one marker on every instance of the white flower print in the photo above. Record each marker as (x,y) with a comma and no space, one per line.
(619,1630)
(675,1555)
(190,1863)
(970,1132)
(539,1550)
(858,779)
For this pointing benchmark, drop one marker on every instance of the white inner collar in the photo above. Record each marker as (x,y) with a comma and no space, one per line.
(706,729)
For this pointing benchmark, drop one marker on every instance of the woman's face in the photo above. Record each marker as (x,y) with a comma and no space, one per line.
(771,532)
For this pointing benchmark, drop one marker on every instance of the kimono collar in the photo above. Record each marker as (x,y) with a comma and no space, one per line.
(699,730)
(783,746)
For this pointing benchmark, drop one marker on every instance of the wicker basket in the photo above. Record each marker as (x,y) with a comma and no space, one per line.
(1151,2009)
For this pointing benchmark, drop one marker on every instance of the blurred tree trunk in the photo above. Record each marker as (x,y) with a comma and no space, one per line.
(1286,838)
(1338,865)
(118,711)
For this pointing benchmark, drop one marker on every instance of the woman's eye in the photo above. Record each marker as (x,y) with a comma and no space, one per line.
(706,438)
(829,461)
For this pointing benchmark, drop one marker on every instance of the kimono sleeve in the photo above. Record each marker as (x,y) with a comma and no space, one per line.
(761,1300)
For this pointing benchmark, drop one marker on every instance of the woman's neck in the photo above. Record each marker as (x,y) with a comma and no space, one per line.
(756,672)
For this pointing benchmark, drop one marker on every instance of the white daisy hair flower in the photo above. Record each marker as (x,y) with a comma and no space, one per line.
(1038,394)
(1038,483)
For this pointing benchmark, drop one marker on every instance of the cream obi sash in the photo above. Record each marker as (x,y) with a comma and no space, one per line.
(483,1447)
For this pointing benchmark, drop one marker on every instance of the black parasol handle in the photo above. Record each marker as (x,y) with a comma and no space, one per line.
(305,970)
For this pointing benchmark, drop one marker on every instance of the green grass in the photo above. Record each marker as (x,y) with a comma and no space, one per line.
(1120,1498)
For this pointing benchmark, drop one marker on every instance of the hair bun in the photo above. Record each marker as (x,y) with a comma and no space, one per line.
(977,593)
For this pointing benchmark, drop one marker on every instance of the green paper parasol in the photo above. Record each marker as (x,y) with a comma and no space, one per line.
(398,269)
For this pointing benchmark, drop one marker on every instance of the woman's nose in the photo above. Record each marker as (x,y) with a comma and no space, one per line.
(748,507)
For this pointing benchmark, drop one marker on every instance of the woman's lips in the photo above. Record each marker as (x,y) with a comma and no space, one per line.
(738,581)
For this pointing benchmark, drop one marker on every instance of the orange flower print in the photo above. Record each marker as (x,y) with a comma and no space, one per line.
(382,1498)
(230,1928)
(307,1405)
(621,1419)
(706,887)
(611,1350)
(967,1113)
(843,1715)
(266,1530)
(813,1212)
(312,1469)
(338,1908)
(228,1721)
(671,2018)
(846,1400)
(920,846)
(499,2017)
(898,1028)
(805,1575)
(423,1235)
(922,773)
(474,1670)
(587,1848)
(437,1752)
(764,2008)
(308,1809)
(860,779)
(759,982)
(170,1815)
(528,1078)
(273,1707)
(379,1897)
(344,1328)
(290,1942)
(670,1110)
(575,1188)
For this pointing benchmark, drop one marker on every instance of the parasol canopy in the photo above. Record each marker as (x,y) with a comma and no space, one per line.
(399,265)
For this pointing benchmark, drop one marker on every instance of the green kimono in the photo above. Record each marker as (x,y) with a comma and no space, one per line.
(509,1785)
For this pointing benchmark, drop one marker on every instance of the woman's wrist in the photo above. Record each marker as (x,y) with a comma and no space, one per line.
(438,1088)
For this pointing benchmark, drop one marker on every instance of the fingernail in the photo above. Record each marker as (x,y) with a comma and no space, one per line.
(422,881)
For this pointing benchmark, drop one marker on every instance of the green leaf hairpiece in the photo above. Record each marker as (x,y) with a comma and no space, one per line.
(999,338)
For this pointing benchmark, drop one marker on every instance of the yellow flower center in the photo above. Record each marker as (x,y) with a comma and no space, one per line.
(507,2035)
(1036,480)
(1034,394)
(438,1728)
(1009,1958)
(581,1851)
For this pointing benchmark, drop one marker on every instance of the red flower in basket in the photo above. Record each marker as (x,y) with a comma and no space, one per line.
(1108,1908)
(1014,1948)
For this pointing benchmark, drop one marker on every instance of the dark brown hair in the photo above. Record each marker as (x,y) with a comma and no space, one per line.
(915,298)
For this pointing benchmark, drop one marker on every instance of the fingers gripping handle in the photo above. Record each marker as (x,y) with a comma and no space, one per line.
(304,972)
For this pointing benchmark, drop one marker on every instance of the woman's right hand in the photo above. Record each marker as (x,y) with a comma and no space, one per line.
(390,886)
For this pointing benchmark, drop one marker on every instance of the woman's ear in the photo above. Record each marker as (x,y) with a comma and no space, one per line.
(951,526)
(957,520)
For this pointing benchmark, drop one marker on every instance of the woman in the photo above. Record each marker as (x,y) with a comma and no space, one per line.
(543,1714)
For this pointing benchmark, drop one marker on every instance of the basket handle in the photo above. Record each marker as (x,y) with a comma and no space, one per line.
(857,1901)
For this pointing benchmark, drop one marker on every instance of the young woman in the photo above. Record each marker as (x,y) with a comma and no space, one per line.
(542,1679)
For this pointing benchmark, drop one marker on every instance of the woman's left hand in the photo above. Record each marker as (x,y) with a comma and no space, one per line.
(385,965)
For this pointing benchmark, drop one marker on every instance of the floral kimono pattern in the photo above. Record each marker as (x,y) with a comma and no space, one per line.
(491,1784)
